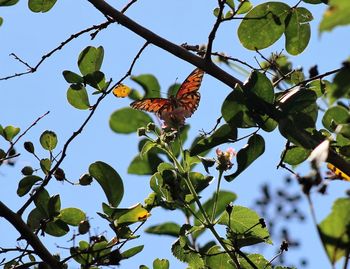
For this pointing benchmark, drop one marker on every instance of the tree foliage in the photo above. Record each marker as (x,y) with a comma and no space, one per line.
(275,96)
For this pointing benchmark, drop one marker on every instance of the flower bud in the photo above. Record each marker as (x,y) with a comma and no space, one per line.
(59,174)
(141,131)
(84,227)
(27,170)
(151,126)
(85,180)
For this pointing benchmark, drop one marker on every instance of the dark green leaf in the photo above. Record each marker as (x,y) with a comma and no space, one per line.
(90,60)
(167,228)
(160,264)
(314,2)
(259,85)
(338,13)
(72,216)
(72,77)
(335,230)
(296,155)
(54,205)
(128,120)
(109,180)
(96,80)
(263,25)
(34,219)
(131,252)
(334,116)
(247,155)
(26,184)
(57,228)
(8,2)
(149,83)
(77,96)
(224,134)
(41,5)
(341,86)
(298,30)
(245,228)
(41,202)
(48,140)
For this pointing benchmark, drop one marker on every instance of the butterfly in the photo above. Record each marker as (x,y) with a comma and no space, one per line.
(186,99)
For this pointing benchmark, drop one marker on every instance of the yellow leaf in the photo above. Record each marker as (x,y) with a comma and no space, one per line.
(121,91)
(337,172)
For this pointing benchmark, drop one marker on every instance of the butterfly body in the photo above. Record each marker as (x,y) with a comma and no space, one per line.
(184,102)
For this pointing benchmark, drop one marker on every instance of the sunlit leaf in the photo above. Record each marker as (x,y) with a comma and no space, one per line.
(77,96)
(245,226)
(72,216)
(160,264)
(167,228)
(9,132)
(338,13)
(296,155)
(129,215)
(90,60)
(334,116)
(335,230)
(217,258)
(45,165)
(259,261)
(131,252)
(263,25)
(128,120)
(188,255)
(298,30)
(48,140)
(109,180)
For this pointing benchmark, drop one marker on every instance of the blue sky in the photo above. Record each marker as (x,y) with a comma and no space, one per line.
(26,98)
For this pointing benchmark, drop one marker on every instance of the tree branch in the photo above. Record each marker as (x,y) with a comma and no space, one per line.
(168,46)
(29,236)
(212,69)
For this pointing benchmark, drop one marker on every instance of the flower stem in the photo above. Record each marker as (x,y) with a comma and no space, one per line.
(216,197)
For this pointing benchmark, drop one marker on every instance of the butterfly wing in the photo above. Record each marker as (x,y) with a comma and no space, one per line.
(156,105)
(188,96)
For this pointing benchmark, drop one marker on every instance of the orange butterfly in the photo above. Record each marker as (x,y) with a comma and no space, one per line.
(186,99)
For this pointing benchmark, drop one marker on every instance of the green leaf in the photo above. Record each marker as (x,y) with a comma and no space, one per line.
(258,260)
(5,3)
(218,259)
(41,5)
(128,120)
(298,30)
(335,230)
(186,254)
(235,111)
(247,155)
(126,216)
(160,264)
(41,202)
(320,87)
(260,86)
(9,132)
(149,84)
(338,13)
(96,80)
(26,184)
(166,228)
(45,165)
(57,228)
(263,25)
(131,252)
(54,206)
(144,165)
(90,60)
(245,228)
(1,21)
(34,219)
(48,140)
(72,77)
(296,155)
(72,216)
(340,87)
(109,180)
(77,96)
(334,116)
(244,7)
(224,134)
(314,2)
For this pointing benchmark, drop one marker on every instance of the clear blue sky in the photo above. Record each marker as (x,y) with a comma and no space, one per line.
(25,98)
